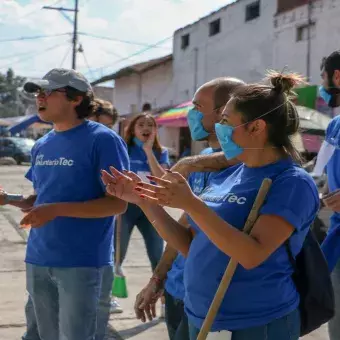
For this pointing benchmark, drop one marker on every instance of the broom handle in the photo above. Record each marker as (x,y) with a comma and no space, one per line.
(118,233)
(232,265)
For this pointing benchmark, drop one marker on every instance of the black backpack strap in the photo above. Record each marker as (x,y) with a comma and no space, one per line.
(290,255)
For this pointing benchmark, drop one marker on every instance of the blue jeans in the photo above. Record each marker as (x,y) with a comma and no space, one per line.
(175,318)
(67,303)
(334,324)
(286,328)
(134,216)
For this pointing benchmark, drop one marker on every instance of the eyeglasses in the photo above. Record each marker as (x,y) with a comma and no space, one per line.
(46,93)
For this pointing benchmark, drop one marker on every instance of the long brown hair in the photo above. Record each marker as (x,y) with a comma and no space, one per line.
(130,131)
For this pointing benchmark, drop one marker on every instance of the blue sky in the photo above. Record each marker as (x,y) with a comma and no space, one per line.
(135,21)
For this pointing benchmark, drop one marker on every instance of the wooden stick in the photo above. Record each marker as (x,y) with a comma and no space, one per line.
(118,238)
(232,265)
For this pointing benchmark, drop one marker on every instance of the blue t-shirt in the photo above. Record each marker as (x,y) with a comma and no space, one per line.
(258,296)
(331,245)
(66,168)
(333,166)
(174,283)
(139,163)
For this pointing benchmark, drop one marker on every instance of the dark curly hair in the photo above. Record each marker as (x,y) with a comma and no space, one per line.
(86,107)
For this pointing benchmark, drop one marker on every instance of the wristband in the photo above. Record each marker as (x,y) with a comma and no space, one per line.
(156,279)
(13,197)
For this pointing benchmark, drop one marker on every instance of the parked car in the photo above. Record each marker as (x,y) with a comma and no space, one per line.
(17,148)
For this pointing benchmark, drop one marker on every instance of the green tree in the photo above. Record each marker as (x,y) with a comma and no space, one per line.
(9,102)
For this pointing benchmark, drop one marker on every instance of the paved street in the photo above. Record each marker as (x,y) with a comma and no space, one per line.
(12,275)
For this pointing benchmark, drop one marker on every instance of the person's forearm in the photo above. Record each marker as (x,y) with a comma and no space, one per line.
(98,208)
(202,163)
(25,203)
(156,169)
(233,242)
(169,229)
(165,263)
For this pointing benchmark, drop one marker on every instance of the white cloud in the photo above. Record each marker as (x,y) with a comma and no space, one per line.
(146,21)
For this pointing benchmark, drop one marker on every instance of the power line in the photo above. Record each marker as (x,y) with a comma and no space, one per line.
(87,64)
(17,55)
(35,10)
(133,54)
(129,42)
(32,56)
(35,37)
(65,56)
(75,10)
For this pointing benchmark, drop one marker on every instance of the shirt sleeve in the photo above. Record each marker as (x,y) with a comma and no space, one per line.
(332,132)
(164,158)
(293,198)
(110,150)
(30,172)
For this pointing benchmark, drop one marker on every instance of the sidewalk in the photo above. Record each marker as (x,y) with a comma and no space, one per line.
(13,295)
(122,326)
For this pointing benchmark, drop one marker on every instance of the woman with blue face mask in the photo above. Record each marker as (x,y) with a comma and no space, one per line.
(147,157)
(262,300)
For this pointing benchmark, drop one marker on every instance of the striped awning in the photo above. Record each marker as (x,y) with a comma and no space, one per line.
(176,116)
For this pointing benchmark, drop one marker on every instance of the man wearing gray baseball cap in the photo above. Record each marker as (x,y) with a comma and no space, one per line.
(69,250)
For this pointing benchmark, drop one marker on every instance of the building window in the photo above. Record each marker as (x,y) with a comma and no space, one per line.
(302,32)
(253,11)
(185,41)
(214,27)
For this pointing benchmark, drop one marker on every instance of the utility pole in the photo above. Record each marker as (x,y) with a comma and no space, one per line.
(75,28)
(195,69)
(309,38)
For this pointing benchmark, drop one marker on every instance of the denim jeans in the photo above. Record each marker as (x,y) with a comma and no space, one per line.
(334,324)
(175,318)
(286,328)
(67,303)
(134,216)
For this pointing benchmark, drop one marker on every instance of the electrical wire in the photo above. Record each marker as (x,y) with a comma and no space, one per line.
(34,37)
(65,56)
(16,55)
(87,64)
(31,57)
(133,54)
(35,10)
(129,42)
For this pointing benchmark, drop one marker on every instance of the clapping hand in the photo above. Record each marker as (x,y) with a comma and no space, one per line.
(171,191)
(121,184)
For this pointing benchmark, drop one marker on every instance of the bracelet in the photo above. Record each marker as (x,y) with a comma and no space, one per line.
(156,279)
(13,197)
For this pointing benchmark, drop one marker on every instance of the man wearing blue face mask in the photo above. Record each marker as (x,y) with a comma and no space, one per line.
(329,159)
(209,101)
(330,89)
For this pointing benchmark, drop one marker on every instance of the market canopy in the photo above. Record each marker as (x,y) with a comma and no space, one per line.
(176,117)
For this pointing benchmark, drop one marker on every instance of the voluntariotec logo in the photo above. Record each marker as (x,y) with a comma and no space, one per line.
(62,161)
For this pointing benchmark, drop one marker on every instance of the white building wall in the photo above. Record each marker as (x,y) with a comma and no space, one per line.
(169,137)
(103,92)
(126,93)
(154,87)
(325,37)
(242,49)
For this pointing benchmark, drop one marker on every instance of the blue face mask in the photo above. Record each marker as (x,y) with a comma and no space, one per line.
(224,135)
(327,97)
(197,131)
(138,142)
